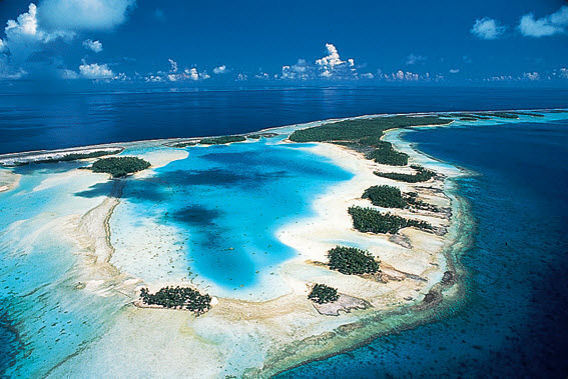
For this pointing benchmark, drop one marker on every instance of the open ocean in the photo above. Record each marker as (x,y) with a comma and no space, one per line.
(32,122)
(515,314)
(515,311)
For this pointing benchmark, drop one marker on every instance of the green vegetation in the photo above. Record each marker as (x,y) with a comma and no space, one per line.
(371,220)
(499,114)
(528,114)
(350,130)
(468,119)
(120,166)
(421,175)
(222,140)
(385,196)
(185,144)
(364,135)
(69,157)
(179,298)
(476,116)
(350,260)
(265,135)
(323,294)
(387,155)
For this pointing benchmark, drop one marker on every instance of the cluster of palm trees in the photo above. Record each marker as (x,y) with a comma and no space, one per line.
(178,298)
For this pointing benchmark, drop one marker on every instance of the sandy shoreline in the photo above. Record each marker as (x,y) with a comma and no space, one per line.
(411,273)
(7,158)
(288,331)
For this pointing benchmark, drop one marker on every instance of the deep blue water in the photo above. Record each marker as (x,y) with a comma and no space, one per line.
(227,203)
(514,320)
(32,122)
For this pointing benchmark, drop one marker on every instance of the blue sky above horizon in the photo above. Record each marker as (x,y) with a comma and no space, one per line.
(294,42)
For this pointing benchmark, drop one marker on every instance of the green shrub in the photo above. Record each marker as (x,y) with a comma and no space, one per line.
(385,154)
(120,166)
(323,294)
(385,196)
(350,260)
(422,175)
(185,144)
(350,130)
(177,297)
(222,140)
(69,157)
(371,220)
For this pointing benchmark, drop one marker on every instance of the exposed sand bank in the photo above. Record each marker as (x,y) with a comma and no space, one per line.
(8,180)
(259,339)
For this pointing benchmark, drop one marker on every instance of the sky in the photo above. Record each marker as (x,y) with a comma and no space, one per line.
(217,43)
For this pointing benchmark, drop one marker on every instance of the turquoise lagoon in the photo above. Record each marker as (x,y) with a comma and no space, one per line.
(210,218)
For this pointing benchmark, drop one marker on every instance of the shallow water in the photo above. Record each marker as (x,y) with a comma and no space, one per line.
(224,205)
(516,310)
(210,217)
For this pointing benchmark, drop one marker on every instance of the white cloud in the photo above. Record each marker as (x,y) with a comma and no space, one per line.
(332,59)
(487,28)
(173,65)
(95,46)
(367,75)
(69,74)
(31,33)
(300,70)
(24,36)
(95,71)
(454,70)
(407,76)
(262,75)
(414,59)
(241,77)
(546,26)
(330,66)
(220,70)
(80,15)
(9,73)
(532,76)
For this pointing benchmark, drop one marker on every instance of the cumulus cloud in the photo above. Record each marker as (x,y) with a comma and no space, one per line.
(262,75)
(300,70)
(555,23)
(78,15)
(454,70)
(173,65)
(29,39)
(24,35)
(414,59)
(69,74)
(95,46)
(95,71)
(241,77)
(330,66)
(487,28)
(407,76)
(9,73)
(532,76)
(220,70)
(175,76)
